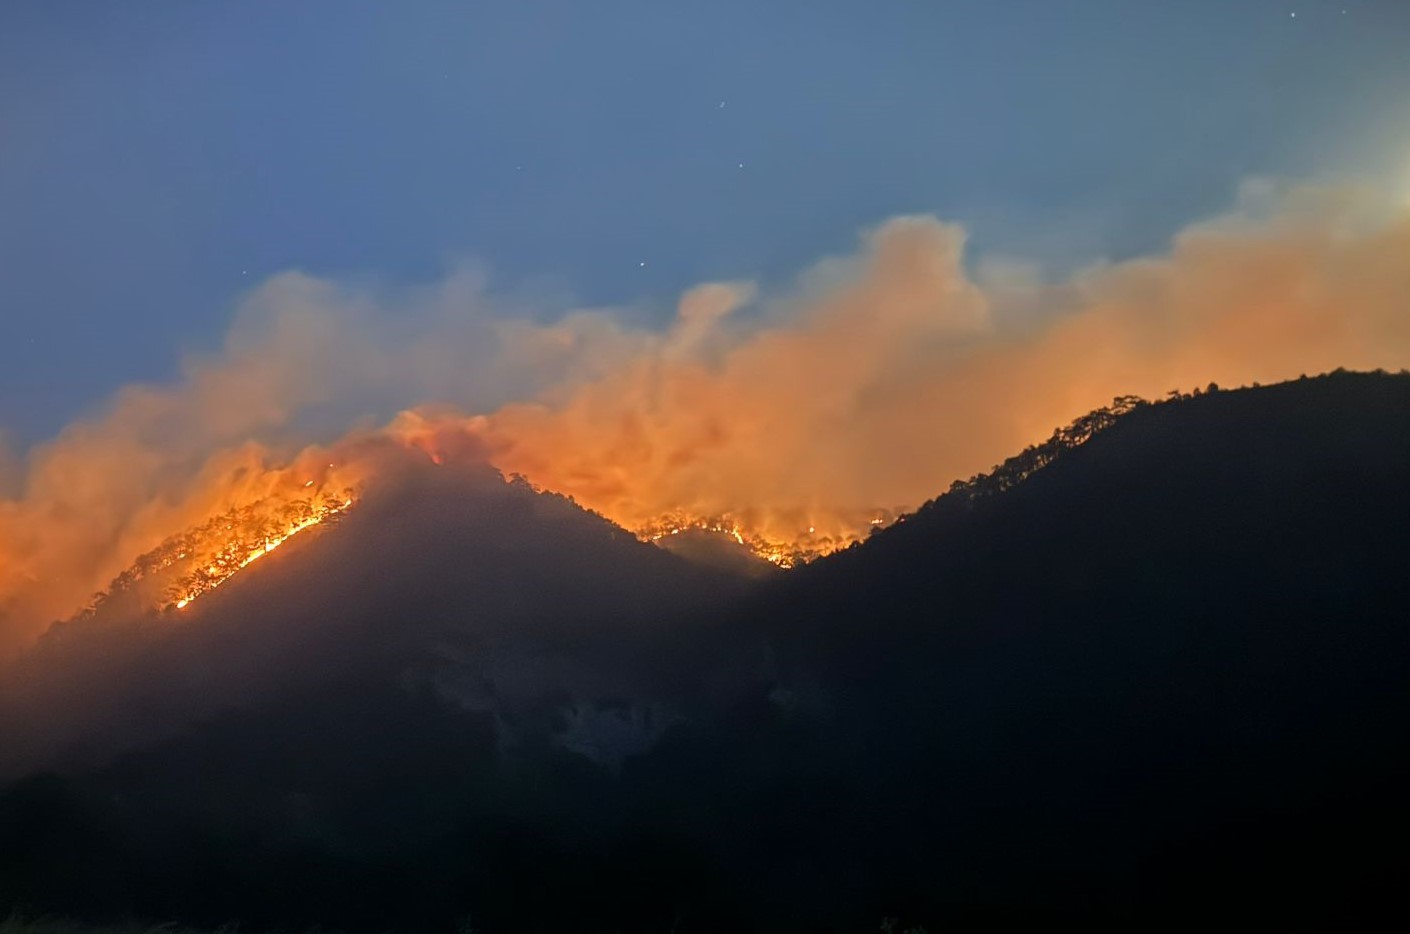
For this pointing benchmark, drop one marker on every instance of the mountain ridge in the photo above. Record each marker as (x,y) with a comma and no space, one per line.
(1162,678)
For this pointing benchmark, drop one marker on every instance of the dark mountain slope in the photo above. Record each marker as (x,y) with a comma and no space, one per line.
(497,595)
(374,727)
(1168,669)
(1161,680)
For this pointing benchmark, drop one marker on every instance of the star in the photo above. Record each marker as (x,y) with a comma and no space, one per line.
(741,165)
(642,263)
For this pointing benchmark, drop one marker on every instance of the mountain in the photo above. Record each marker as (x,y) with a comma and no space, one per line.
(445,577)
(1153,672)
(1163,677)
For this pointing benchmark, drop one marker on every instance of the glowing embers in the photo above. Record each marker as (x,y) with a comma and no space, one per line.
(249,535)
(803,548)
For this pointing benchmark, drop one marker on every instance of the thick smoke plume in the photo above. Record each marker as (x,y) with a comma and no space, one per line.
(867,388)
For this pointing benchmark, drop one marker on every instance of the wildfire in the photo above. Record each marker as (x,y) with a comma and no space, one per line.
(228,562)
(189,565)
(801,549)
(786,538)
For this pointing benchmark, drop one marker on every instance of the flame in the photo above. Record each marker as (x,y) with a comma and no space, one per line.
(785,537)
(229,563)
(781,422)
(185,567)
(231,541)
(784,552)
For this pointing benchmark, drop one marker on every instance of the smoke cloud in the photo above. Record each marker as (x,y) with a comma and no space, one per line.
(867,387)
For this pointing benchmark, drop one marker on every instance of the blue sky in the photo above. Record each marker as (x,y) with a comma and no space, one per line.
(157,159)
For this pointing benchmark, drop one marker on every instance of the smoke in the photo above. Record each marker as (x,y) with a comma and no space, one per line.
(304,361)
(436,581)
(889,374)
(868,386)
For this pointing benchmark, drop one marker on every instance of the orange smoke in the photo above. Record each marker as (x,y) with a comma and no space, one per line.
(893,373)
(794,422)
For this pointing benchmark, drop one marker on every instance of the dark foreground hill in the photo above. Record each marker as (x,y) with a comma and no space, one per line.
(1161,680)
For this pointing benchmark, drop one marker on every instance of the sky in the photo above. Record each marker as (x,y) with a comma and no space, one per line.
(160,160)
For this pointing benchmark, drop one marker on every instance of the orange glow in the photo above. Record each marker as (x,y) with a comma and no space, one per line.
(228,563)
(192,563)
(806,545)
(794,423)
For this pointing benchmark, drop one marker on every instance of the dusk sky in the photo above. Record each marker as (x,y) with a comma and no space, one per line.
(157,160)
(644,466)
